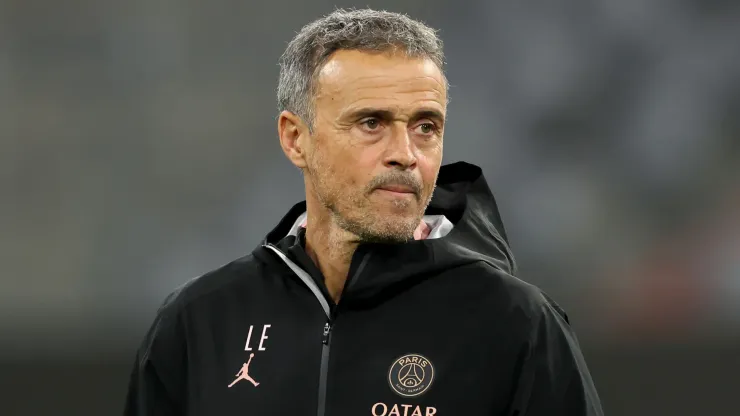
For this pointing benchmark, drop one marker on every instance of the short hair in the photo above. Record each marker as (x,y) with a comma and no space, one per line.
(363,30)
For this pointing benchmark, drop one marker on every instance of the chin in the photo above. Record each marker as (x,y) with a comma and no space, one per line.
(386,238)
(399,231)
(383,222)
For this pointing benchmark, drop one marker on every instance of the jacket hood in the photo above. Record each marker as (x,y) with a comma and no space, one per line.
(463,197)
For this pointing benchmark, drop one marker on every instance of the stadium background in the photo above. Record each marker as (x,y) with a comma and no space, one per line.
(138,149)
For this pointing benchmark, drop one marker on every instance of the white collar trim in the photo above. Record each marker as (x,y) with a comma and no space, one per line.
(439,224)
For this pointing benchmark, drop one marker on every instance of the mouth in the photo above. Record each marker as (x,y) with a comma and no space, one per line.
(397,191)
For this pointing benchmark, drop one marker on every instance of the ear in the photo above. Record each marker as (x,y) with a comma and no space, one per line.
(293,133)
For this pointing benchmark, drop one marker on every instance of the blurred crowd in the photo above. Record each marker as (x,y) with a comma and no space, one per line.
(613,137)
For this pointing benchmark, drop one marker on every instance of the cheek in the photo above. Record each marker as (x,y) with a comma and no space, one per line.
(339,172)
(364,157)
(360,164)
(429,164)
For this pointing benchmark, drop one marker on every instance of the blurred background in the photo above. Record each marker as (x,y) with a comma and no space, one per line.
(138,149)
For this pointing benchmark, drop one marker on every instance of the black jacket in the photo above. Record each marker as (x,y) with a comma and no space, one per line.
(432,327)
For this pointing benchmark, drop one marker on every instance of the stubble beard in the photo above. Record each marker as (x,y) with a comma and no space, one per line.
(352,211)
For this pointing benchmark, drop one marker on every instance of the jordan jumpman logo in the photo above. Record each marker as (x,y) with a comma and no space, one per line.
(243,374)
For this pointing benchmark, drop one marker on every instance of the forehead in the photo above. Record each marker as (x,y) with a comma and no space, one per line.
(361,78)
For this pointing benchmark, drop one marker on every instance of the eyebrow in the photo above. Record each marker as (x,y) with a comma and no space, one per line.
(387,114)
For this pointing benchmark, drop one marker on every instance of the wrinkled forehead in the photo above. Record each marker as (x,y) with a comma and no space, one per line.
(383,78)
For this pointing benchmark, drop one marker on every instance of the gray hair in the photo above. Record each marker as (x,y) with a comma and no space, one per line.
(364,30)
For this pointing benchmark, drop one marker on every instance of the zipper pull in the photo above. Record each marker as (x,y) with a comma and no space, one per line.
(327,331)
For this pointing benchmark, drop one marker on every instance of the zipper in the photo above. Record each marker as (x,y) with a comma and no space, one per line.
(324,373)
(327,332)
(326,337)
(330,318)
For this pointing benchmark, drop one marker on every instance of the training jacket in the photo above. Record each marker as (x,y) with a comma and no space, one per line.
(434,327)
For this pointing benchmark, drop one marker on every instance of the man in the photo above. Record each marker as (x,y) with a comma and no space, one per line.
(379,295)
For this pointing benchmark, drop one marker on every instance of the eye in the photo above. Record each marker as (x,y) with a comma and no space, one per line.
(371,124)
(426,129)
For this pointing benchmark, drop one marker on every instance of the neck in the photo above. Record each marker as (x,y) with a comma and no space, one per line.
(331,249)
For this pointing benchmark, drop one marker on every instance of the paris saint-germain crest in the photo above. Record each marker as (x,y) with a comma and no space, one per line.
(411,375)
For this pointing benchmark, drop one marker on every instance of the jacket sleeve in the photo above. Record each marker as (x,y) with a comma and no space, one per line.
(157,382)
(554,379)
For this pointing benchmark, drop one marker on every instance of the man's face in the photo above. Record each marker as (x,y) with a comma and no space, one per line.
(376,148)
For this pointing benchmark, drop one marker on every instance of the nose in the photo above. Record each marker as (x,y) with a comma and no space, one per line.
(400,152)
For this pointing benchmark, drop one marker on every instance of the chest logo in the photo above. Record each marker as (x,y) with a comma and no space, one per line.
(243,373)
(411,375)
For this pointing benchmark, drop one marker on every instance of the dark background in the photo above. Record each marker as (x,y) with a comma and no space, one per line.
(138,149)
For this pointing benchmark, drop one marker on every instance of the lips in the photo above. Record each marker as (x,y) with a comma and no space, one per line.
(401,189)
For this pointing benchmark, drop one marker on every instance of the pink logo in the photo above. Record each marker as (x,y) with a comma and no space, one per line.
(243,374)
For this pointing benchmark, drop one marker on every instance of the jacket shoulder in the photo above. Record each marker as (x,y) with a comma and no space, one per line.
(227,277)
(525,296)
